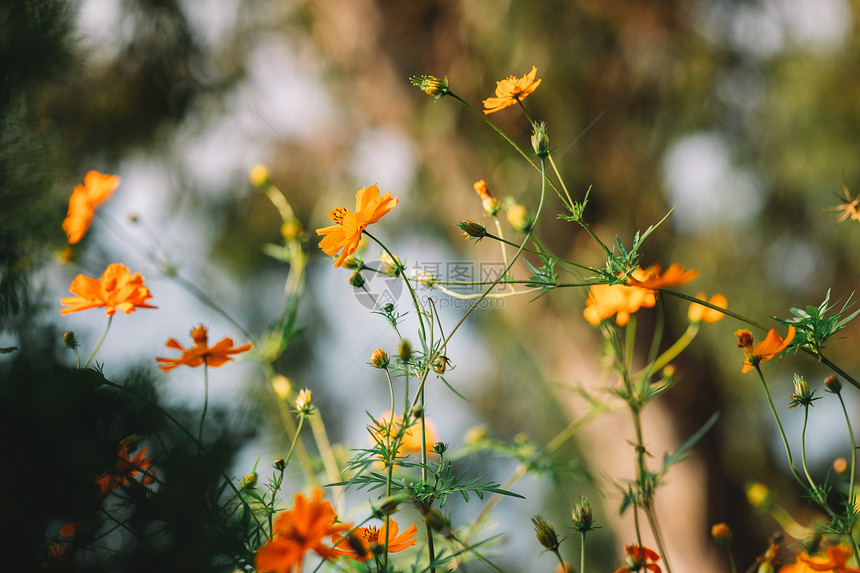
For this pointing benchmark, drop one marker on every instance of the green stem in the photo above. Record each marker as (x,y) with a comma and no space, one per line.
(803,448)
(779,425)
(513,260)
(99,345)
(853,467)
(205,401)
(295,438)
(569,203)
(541,253)
(731,557)
(582,553)
(390,475)
(673,351)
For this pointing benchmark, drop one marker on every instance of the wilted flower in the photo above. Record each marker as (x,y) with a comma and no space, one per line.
(540,140)
(431,85)
(545,533)
(583,518)
(802,393)
(472,230)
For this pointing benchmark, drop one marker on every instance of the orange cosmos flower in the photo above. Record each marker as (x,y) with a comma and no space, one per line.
(369,536)
(850,207)
(772,345)
(410,442)
(652,279)
(297,531)
(699,313)
(834,561)
(623,300)
(97,188)
(511,90)
(639,558)
(116,289)
(346,232)
(201,352)
(606,300)
(126,469)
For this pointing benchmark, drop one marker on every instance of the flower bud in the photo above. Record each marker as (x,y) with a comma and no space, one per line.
(70,340)
(758,496)
(303,402)
(249,481)
(440,447)
(721,534)
(280,464)
(352,263)
(802,394)
(356,280)
(545,533)
(833,384)
(379,359)
(259,175)
(404,350)
(491,206)
(472,230)
(540,140)
(583,518)
(436,520)
(840,466)
(417,411)
(431,85)
(440,365)
(519,218)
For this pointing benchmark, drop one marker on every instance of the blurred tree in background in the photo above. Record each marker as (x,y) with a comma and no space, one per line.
(740,115)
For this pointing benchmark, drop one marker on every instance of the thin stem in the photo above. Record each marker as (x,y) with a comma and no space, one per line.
(390,475)
(569,204)
(731,557)
(547,255)
(205,401)
(803,448)
(582,553)
(102,339)
(673,351)
(779,425)
(295,437)
(853,467)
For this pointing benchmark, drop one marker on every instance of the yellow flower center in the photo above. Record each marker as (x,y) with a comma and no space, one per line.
(338,214)
(369,535)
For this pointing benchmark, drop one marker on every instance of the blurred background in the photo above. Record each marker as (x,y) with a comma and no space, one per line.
(741,116)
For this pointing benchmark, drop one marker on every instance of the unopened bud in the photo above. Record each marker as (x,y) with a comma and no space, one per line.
(356,280)
(833,384)
(303,402)
(431,85)
(436,520)
(249,481)
(472,230)
(440,365)
(545,533)
(583,518)
(404,350)
(440,447)
(259,175)
(518,217)
(379,359)
(721,534)
(280,464)
(840,466)
(70,340)
(352,263)
(417,411)
(758,496)
(540,140)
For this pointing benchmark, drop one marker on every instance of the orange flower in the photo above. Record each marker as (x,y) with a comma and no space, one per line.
(201,352)
(651,277)
(126,469)
(638,558)
(623,300)
(369,536)
(511,90)
(346,233)
(606,300)
(116,289)
(834,561)
(850,207)
(297,531)
(97,188)
(772,345)
(699,313)
(410,443)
